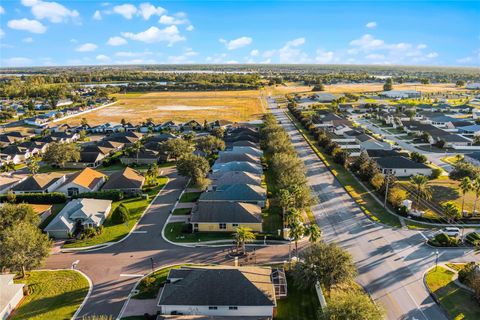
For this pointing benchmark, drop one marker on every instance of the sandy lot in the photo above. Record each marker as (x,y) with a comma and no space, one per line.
(179,106)
(371,87)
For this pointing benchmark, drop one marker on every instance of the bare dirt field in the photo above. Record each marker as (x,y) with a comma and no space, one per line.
(372,87)
(179,106)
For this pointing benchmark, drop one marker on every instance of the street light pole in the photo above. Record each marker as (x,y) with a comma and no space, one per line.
(151,261)
(436,259)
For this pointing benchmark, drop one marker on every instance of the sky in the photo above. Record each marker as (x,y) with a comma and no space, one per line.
(45,33)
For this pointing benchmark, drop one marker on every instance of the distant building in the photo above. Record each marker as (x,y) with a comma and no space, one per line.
(402,167)
(401,94)
(473,86)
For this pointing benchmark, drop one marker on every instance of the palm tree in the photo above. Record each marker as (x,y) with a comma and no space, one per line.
(465,186)
(242,236)
(313,232)
(136,147)
(476,189)
(292,215)
(297,231)
(285,200)
(450,210)
(420,183)
(33,165)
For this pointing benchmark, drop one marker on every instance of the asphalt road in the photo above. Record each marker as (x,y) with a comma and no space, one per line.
(391,262)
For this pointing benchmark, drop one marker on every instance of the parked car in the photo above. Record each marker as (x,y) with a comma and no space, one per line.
(450,231)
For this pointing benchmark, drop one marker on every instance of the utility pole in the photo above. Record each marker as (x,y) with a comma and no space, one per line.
(153,264)
(387,178)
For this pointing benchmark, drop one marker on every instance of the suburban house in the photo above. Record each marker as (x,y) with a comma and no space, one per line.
(128,180)
(401,94)
(42,183)
(10,295)
(402,167)
(87,160)
(473,158)
(244,143)
(226,157)
(87,180)
(8,180)
(144,156)
(17,153)
(86,213)
(234,177)
(225,216)
(223,291)
(237,166)
(236,192)
(42,210)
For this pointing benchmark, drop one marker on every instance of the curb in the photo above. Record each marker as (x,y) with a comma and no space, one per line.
(108,244)
(90,289)
(449,248)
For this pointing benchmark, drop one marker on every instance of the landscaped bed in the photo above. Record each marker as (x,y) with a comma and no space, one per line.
(457,302)
(182,211)
(113,231)
(53,295)
(149,286)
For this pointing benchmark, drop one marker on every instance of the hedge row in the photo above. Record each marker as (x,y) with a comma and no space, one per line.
(37,198)
(113,195)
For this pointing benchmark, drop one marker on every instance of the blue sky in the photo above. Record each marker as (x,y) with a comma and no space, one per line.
(40,33)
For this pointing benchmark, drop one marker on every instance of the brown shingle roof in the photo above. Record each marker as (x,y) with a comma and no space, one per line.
(128,178)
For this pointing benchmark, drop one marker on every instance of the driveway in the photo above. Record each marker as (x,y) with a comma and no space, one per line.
(391,262)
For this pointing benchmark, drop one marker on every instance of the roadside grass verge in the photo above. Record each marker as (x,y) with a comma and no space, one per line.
(299,304)
(114,232)
(359,193)
(175,232)
(451,159)
(54,295)
(190,197)
(457,302)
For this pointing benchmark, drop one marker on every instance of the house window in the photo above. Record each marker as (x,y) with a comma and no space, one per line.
(234,225)
(72,192)
(222,226)
(233,308)
(212,308)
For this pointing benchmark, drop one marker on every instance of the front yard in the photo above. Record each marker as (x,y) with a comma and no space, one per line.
(298,305)
(457,302)
(112,231)
(54,295)
(176,232)
(190,197)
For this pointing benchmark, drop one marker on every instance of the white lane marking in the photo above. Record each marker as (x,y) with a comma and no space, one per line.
(424,236)
(131,275)
(139,231)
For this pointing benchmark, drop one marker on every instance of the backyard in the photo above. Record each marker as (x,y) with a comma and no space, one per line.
(179,106)
(457,302)
(299,304)
(54,295)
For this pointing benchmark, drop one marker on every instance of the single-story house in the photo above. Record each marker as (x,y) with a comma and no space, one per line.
(8,180)
(10,295)
(143,157)
(226,157)
(87,180)
(402,167)
(42,210)
(471,130)
(400,94)
(234,177)
(127,180)
(223,291)
(473,158)
(237,166)
(42,183)
(245,143)
(78,212)
(87,160)
(236,192)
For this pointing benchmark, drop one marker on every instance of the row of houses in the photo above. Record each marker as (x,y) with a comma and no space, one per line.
(235,196)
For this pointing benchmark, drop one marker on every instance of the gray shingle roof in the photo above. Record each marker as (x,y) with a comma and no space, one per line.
(235,192)
(399,163)
(226,212)
(222,286)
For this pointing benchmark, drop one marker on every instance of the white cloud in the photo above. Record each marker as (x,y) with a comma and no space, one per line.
(86,47)
(97,15)
(254,53)
(217,58)
(290,53)
(371,25)
(190,28)
(375,56)
(295,42)
(421,46)
(186,57)
(2,10)
(366,43)
(27,39)
(24,24)
(236,43)
(324,56)
(17,62)
(2,33)
(52,11)
(116,41)
(126,10)
(169,35)
(130,54)
(431,55)
(102,58)
(147,10)
(169,20)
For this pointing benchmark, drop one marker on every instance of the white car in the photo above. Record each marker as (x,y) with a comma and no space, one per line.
(450,231)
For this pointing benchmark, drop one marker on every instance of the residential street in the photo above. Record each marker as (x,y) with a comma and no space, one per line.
(391,262)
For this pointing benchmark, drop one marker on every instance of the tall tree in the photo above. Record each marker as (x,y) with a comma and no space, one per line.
(33,165)
(476,190)
(285,199)
(60,153)
(351,306)
(176,148)
(193,166)
(388,86)
(242,236)
(420,183)
(465,186)
(313,232)
(12,214)
(451,212)
(326,264)
(210,144)
(24,247)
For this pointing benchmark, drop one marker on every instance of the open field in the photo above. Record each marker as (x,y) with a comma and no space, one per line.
(179,106)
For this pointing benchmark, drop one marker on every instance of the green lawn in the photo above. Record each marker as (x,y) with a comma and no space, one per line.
(298,305)
(150,292)
(173,232)
(361,195)
(452,159)
(56,208)
(190,197)
(114,232)
(457,302)
(54,295)
(181,212)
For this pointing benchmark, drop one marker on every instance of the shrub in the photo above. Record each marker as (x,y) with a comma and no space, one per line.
(473,238)
(120,215)
(147,283)
(37,198)
(443,240)
(114,195)
(89,233)
(466,274)
(436,173)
